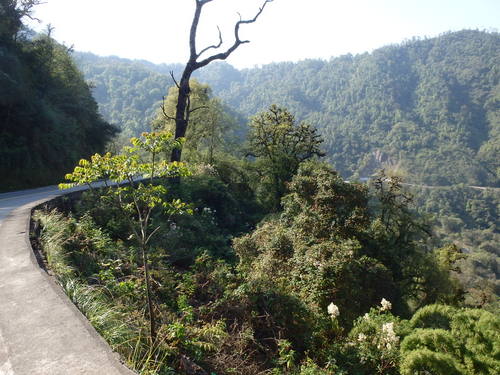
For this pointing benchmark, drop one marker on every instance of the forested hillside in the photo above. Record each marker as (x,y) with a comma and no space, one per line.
(48,117)
(426,109)
(129,93)
(252,255)
(422,106)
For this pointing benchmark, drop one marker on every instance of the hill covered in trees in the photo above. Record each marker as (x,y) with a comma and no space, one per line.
(48,117)
(416,108)
(202,276)
(426,110)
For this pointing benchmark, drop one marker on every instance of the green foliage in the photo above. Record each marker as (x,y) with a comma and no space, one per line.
(328,246)
(468,218)
(212,128)
(279,145)
(113,303)
(186,258)
(286,355)
(379,111)
(424,361)
(12,13)
(310,368)
(433,316)
(441,283)
(135,199)
(295,302)
(418,107)
(437,340)
(374,341)
(321,204)
(55,231)
(45,106)
(11,20)
(452,341)
(422,110)
(300,293)
(129,93)
(107,319)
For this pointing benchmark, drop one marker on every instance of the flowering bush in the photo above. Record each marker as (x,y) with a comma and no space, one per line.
(375,340)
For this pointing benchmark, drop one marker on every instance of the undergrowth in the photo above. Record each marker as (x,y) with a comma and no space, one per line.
(326,287)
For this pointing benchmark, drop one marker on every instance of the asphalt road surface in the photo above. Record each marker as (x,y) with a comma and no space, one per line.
(9,201)
(41,331)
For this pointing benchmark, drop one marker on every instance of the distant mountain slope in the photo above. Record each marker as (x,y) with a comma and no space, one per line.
(128,92)
(427,108)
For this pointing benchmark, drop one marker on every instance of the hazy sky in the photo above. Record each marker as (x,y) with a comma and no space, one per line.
(288,30)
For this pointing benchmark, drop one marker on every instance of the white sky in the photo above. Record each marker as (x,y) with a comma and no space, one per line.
(288,30)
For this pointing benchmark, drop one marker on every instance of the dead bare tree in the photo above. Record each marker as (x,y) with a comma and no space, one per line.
(194,63)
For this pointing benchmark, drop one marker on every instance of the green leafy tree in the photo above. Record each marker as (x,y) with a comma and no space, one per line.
(374,341)
(280,145)
(211,126)
(12,13)
(131,181)
(48,115)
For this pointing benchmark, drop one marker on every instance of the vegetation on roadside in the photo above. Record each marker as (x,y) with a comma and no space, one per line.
(49,119)
(343,278)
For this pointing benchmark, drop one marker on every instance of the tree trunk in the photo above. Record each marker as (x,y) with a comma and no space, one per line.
(149,298)
(182,109)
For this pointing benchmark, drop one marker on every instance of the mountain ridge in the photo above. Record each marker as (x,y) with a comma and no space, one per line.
(414,108)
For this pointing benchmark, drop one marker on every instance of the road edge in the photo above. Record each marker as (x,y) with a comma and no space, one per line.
(114,358)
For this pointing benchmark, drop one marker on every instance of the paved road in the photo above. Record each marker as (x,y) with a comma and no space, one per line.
(9,201)
(41,331)
(495,189)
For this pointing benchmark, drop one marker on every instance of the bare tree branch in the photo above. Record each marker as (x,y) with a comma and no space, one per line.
(237,41)
(165,112)
(183,110)
(200,107)
(215,46)
(25,8)
(173,78)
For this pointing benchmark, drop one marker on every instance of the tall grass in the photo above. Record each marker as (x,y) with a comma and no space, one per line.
(56,229)
(111,321)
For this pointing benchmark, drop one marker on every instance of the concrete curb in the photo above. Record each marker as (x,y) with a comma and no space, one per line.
(41,331)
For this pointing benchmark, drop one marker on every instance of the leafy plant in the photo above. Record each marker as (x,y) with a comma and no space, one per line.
(130,182)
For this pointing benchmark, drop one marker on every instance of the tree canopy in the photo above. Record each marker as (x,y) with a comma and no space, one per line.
(48,115)
(279,146)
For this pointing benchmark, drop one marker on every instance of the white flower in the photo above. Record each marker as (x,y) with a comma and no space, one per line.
(386,305)
(388,328)
(366,316)
(333,310)
(361,337)
(389,337)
